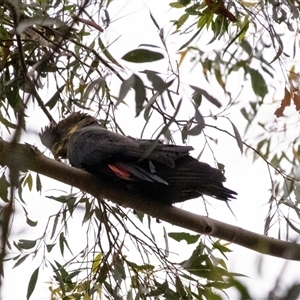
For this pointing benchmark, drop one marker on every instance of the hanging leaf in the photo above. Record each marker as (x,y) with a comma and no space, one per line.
(259,85)
(26,244)
(142,56)
(30,222)
(38,183)
(53,101)
(4,185)
(124,89)
(157,82)
(154,21)
(184,236)
(49,247)
(32,283)
(20,261)
(198,93)
(237,137)
(107,53)
(137,84)
(28,181)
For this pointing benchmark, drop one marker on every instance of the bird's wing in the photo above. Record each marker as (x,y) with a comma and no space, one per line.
(94,144)
(132,172)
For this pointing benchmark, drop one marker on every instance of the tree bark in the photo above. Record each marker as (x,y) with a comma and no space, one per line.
(27,157)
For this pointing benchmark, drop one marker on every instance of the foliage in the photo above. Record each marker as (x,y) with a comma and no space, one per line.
(60,45)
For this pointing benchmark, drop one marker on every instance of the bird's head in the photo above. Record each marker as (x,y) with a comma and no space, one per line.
(56,136)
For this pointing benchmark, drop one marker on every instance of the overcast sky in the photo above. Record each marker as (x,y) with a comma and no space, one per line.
(132,26)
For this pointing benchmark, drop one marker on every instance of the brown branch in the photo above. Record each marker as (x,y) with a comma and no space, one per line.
(27,157)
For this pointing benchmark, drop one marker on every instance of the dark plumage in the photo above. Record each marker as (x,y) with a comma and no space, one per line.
(165,172)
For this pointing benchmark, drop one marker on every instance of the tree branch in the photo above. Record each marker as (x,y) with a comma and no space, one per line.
(26,157)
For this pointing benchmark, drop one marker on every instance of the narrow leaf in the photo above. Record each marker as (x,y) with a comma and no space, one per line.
(196,130)
(259,85)
(4,185)
(26,244)
(142,56)
(38,183)
(237,137)
(61,243)
(154,21)
(292,225)
(50,247)
(54,225)
(140,94)
(53,101)
(239,34)
(32,283)
(20,261)
(184,236)
(30,222)
(197,96)
(124,89)
(190,40)
(108,54)
(96,262)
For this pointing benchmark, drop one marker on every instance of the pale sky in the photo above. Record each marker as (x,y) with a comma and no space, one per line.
(132,27)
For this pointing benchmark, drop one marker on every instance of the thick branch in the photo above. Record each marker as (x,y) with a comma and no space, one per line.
(28,157)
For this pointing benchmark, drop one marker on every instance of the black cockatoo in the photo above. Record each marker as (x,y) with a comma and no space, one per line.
(166,173)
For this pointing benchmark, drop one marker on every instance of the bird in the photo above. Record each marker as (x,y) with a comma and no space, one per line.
(164,172)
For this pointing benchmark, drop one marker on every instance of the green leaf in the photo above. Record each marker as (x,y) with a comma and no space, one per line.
(108,54)
(55,225)
(96,262)
(88,212)
(237,137)
(198,92)
(62,242)
(50,247)
(38,183)
(140,94)
(220,247)
(61,274)
(125,88)
(190,40)
(176,5)
(20,261)
(119,270)
(157,82)
(28,181)
(259,85)
(26,244)
(32,283)
(55,98)
(137,84)
(30,222)
(136,267)
(292,225)
(181,20)
(154,21)
(7,123)
(196,130)
(184,236)
(142,56)
(63,199)
(240,35)
(4,185)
